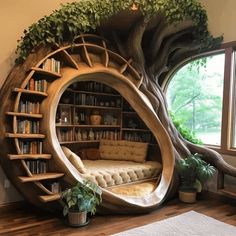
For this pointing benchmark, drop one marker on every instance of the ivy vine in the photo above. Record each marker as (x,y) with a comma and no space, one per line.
(86,15)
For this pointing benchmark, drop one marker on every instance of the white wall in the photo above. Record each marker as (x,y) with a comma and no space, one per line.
(222,18)
(15,16)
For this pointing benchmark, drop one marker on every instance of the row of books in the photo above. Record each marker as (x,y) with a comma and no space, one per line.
(51,65)
(31,147)
(29,107)
(138,137)
(86,99)
(37,166)
(37,85)
(27,127)
(54,187)
(93,86)
(83,135)
(64,135)
(93,100)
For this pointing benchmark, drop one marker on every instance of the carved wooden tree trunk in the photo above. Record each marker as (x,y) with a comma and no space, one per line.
(156,47)
(149,45)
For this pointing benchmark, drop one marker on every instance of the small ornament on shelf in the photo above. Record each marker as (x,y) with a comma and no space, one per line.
(91,135)
(95,118)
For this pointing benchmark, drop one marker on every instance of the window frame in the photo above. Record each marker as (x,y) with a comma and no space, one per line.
(228,125)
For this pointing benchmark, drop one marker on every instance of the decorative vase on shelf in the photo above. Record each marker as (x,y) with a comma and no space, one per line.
(91,135)
(95,118)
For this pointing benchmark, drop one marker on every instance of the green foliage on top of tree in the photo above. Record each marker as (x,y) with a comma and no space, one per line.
(86,15)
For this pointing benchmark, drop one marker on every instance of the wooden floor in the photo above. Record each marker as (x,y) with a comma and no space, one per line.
(30,221)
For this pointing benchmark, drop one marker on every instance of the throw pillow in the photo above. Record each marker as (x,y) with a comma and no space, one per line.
(74,159)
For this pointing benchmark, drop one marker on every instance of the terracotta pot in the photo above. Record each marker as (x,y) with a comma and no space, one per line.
(95,119)
(187,196)
(76,218)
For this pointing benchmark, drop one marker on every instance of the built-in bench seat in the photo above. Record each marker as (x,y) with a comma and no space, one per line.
(107,173)
(116,162)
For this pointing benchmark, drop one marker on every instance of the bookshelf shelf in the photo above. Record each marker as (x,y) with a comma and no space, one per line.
(28,92)
(29,156)
(27,131)
(118,119)
(129,113)
(98,126)
(99,107)
(25,136)
(81,142)
(49,74)
(64,126)
(135,130)
(50,198)
(27,115)
(96,93)
(39,177)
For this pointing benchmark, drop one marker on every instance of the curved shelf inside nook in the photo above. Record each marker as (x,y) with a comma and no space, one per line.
(86,100)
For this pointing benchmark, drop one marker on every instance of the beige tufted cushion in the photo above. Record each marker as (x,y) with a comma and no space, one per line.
(123,150)
(108,173)
(74,159)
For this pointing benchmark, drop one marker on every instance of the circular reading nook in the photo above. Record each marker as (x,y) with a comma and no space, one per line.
(91,107)
(51,130)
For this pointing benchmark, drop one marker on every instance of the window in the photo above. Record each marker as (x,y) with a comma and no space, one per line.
(199,94)
(195,95)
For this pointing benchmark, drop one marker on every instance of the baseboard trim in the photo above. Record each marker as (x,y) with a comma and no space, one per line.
(12,206)
(217,196)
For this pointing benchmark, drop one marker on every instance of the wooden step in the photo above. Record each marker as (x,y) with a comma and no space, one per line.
(27,91)
(20,114)
(46,72)
(29,156)
(50,198)
(27,136)
(39,177)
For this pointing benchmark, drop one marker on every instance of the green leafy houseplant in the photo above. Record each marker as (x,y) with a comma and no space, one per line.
(194,172)
(83,197)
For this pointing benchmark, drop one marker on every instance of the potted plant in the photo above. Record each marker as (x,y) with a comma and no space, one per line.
(79,200)
(193,172)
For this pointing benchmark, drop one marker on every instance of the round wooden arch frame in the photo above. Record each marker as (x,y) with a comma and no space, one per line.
(82,61)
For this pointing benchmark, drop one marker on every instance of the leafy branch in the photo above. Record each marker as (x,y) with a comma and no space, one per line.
(86,15)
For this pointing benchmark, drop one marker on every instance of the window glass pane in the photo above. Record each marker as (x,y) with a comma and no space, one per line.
(194,97)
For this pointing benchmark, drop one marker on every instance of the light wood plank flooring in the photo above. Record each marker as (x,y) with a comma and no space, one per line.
(30,221)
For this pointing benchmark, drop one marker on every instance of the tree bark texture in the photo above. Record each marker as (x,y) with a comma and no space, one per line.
(156,47)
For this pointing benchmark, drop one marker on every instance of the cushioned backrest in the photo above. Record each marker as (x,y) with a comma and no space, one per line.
(74,159)
(123,150)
